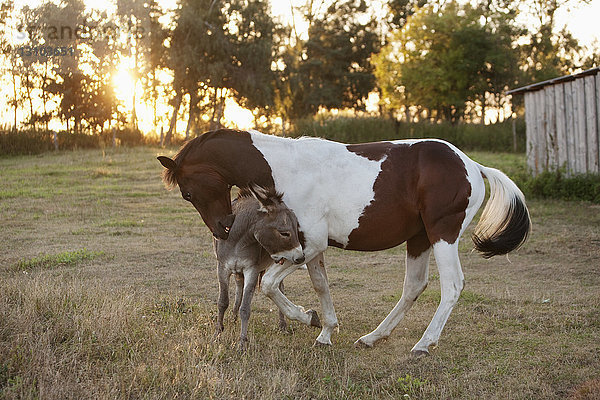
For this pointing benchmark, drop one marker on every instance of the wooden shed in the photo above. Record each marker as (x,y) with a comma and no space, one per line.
(562,117)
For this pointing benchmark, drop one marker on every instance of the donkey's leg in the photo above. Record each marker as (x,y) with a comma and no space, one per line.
(418,249)
(318,276)
(223,301)
(250,280)
(283,327)
(239,291)
(270,286)
(452,283)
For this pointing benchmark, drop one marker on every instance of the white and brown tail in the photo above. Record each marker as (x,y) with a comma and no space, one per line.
(505,223)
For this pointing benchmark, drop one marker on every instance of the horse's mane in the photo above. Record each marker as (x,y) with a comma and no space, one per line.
(170,175)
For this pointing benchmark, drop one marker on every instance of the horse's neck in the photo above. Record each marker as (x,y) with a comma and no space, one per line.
(241,163)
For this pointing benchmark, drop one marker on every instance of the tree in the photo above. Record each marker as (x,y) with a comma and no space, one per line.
(221,49)
(332,68)
(443,61)
(403,9)
(549,52)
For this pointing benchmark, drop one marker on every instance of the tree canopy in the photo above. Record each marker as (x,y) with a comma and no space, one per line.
(426,59)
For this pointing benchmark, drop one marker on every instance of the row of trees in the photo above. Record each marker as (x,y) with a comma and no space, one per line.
(436,59)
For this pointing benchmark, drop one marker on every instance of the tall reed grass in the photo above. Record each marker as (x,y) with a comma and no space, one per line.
(33,141)
(496,137)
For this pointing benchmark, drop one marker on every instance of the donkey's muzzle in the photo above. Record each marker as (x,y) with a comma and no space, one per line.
(298,260)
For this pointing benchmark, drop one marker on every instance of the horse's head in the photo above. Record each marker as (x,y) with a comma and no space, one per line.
(276,227)
(206,189)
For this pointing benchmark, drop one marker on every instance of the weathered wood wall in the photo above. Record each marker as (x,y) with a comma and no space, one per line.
(563,126)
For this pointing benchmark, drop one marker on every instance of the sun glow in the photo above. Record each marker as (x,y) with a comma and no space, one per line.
(124,85)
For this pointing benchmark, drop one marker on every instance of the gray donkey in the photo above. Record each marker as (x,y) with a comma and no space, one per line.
(264,231)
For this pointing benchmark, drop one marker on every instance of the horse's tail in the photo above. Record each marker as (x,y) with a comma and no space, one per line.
(505,223)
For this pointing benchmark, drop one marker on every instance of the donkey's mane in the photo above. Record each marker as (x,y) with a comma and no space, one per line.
(170,175)
(245,192)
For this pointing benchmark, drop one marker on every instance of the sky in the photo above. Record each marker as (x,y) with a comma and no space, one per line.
(582,21)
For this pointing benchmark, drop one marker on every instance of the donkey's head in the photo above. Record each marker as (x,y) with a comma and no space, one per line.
(276,226)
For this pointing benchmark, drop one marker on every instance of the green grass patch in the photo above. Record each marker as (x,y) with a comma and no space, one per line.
(122,223)
(64,259)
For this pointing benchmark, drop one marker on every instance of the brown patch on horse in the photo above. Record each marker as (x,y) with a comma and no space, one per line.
(373,151)
(430,194)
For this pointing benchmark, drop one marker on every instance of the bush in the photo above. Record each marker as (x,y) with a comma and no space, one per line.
(25,142)
(32,141)
(72,141)
(496,137)
(556,185)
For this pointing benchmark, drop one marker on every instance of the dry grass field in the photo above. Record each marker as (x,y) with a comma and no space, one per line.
(108,290)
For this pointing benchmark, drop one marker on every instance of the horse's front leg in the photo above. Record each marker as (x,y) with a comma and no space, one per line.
(223,301)
(250,280)
(270,286)
(318,276)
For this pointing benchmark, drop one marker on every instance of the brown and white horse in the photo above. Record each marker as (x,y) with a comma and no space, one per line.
(367,197)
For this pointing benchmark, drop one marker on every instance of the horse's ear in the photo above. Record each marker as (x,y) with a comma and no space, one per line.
(167,162)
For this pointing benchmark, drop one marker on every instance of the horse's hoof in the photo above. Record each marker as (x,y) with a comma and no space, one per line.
(321,344)
(314,319)
(419,353)
(359,343)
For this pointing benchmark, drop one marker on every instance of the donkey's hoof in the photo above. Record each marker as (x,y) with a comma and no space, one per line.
(284,328)
(419,353)
(361,344)
(243,346)
(314,319)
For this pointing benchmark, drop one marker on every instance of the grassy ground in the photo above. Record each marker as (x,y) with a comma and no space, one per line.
(108,290)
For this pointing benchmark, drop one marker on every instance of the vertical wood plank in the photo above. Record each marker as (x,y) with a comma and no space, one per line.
(542,154)
(570,125)
(591,124)
(598,114)
(550,129)
(561,126)
(580,126)
(530,131)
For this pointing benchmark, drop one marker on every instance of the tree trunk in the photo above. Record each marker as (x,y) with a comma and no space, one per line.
(176,106)
(214,114)
(191,114)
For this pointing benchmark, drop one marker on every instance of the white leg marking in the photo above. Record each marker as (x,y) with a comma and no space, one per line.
(415,282)
(318,276)
(270,287)
(452,283)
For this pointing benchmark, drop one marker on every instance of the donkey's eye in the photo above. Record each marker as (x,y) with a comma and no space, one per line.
(285,234)
(187,196)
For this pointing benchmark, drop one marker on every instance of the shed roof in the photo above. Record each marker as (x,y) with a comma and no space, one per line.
(540,85)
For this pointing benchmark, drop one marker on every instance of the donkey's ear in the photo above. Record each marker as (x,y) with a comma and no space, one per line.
(167,162)
(262,195)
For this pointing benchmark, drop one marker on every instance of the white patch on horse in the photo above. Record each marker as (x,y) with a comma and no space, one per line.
(321,178)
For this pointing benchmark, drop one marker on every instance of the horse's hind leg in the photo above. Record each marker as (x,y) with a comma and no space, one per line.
(452,283)
(415,282)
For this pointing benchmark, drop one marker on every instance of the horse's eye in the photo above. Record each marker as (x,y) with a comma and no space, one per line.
(187,196)
(284,234)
